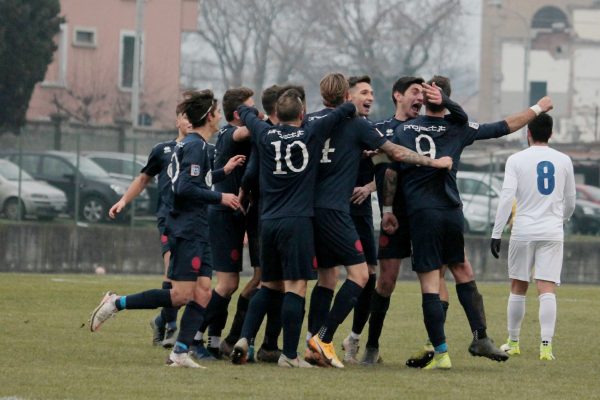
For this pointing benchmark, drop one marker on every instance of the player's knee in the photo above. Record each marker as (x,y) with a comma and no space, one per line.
(386,286)
(202,295)
(462,272)
(359,274)
(181,296)
(328,278)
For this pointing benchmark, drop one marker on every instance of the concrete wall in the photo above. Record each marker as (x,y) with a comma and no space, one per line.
(51,248)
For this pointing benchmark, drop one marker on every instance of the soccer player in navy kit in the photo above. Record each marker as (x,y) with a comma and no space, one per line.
(361,94)
(228,227)
(335,235)
(164,325)
(436,225)
(187,230)
(288,156)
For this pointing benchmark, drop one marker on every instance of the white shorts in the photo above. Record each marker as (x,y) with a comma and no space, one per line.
(544,256)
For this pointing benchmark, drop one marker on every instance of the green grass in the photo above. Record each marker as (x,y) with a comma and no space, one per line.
(48,352)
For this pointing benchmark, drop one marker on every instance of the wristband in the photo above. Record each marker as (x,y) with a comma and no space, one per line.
(387,209)
(536,109)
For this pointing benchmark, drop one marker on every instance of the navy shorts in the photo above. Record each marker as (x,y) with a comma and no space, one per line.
(287,249)
(253,231)
(396,245)
(190,259)
(164,241)
(437,238)
(336,239)
(227,230)
(366,234)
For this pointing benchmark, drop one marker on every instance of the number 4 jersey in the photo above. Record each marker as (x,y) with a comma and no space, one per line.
(541,179)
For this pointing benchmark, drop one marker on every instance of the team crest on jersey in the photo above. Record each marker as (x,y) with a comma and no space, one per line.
(195,170)
(166,150)
(389,132)
(473,125)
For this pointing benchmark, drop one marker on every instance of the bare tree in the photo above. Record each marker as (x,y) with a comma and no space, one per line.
(274,41)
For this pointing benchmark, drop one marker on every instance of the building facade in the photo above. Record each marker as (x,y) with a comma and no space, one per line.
(543,47)
(91,77)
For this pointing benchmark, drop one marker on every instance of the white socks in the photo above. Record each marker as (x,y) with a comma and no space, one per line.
(547,316)
(515,313)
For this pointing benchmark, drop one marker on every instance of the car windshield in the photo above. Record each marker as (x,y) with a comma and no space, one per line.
(11,172)
(87,167)
(594,192)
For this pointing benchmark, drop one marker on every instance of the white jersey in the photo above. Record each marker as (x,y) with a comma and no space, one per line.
(543,183)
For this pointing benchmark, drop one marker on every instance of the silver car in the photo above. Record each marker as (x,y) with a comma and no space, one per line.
(479,193)
(37,198)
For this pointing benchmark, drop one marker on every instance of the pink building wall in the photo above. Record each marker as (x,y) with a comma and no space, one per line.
(85,80)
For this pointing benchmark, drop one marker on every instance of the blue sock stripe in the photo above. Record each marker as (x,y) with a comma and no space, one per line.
(182,346)
(123,302)
(442,348)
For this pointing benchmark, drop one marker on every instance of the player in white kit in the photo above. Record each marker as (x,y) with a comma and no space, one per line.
(542,181)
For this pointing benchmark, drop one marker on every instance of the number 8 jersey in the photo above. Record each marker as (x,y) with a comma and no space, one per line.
(541,179)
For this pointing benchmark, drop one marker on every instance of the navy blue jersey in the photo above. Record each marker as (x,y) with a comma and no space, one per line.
(426,187)
(288,158)
(366,172)
(387,127)
(340,156)
(226,148)
(158,164)
(191,183)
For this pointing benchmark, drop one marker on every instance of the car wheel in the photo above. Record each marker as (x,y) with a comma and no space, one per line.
(11,208)
(93,209)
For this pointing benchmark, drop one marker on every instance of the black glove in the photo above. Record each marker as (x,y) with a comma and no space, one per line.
(495,247)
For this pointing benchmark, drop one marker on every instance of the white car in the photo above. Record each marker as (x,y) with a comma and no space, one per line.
(37,198)
(479,193)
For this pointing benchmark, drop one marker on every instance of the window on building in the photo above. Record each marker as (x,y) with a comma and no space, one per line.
(126,65)
(84,37)
(537,90)
(549,18)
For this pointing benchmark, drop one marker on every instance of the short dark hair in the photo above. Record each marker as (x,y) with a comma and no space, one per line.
(196,106)
(541,128)
(297,88)
(289,106)
(233,98)
(355,80)
(334,88)
(403,83)
(269,98)
(444,84)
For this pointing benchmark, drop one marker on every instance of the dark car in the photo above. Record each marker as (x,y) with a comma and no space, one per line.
(588,193)
(97,190)
(586,218)
(125,166)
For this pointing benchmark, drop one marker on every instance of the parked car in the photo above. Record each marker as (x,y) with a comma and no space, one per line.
(97,190)
(588,193)
(585,219)
(479,193)
(125,166)
(37,198)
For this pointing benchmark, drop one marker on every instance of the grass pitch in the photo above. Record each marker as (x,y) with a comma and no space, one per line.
(48,351)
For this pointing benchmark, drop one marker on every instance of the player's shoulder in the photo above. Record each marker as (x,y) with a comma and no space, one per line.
(317,114)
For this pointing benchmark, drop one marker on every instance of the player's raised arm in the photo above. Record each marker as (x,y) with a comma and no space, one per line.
(435,95)
(402,154)
(249,117)
(323,127)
